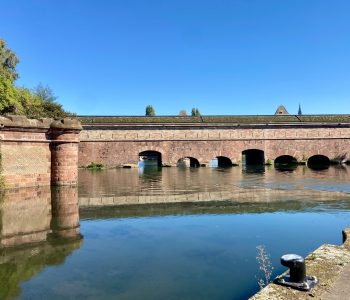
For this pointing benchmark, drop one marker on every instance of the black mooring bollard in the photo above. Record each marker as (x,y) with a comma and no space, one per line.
(297,277)
(296,265)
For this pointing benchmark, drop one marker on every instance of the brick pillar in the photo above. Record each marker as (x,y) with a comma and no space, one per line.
(64,136)
(65,212)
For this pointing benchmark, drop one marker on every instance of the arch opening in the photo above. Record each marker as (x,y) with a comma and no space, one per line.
(188,162)
(318,162)
(253,157)
(220,162)
(150,159)
(286,163)
(224,162)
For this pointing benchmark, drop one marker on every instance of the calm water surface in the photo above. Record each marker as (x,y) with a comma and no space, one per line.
(203,250)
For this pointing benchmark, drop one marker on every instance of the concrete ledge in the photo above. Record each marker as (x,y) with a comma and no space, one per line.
(329,263)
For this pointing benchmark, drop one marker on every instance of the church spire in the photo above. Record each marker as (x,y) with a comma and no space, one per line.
(299,110)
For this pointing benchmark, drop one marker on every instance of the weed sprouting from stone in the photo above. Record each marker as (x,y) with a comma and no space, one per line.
(265,266)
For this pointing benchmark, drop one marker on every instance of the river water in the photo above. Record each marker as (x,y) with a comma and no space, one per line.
(165,234)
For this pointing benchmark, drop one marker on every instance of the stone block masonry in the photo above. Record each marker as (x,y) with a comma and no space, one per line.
(46,151)
(38,152)
(119,144)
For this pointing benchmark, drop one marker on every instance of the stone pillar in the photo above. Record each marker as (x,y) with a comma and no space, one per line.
(65,212)
(64,136)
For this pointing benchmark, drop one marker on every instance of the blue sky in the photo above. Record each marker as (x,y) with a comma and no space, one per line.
(224,57)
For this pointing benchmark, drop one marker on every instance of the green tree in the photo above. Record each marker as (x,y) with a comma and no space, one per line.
(47,99)
(195,112)
(150,111)
(8,96)
(8,62)
(37,103)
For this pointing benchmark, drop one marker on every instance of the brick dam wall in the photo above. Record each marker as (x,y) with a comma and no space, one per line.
(119,144)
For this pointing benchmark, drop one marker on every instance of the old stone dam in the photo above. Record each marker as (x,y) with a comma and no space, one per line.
(169,233)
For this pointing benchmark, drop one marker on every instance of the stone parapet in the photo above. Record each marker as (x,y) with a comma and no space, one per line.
(29,148)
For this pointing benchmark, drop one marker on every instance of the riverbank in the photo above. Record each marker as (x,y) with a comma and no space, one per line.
(330,264)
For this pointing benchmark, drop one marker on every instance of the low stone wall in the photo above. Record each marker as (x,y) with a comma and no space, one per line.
(38,152)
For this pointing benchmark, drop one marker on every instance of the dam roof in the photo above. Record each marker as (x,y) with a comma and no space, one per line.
(218,119)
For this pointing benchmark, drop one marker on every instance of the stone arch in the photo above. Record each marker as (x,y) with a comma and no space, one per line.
(150,158)
(286,162)
(318,162)
(224,161)
(150,148)
(221,162)
(253,157)
(188,161)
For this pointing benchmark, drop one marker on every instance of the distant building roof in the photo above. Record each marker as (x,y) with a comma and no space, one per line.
(281,110)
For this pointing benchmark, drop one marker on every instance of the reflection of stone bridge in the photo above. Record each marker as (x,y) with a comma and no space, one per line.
(116,141)
(39,227)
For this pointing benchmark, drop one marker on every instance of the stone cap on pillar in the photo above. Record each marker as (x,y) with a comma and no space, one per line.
(66,124)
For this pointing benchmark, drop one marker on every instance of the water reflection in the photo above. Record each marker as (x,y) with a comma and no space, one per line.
(164,233)
(31,238)
(201,184)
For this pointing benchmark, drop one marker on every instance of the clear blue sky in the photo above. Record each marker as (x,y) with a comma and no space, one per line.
(224,57)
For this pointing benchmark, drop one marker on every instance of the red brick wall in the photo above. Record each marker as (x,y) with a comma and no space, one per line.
(64,157)
(25,158)
(38,152)
(115,147)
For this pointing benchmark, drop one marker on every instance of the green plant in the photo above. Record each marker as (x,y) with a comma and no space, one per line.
(95,166)
(268,162)
(265,266)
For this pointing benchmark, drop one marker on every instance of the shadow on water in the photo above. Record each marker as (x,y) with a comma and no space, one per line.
(286,167)
(214,207)
(253,169)
(150,172)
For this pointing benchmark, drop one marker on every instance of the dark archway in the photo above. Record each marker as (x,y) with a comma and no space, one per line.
(286,163)
(189,162)
(220,162)
(253,157)
(224,162)
(318,162)
(150,158)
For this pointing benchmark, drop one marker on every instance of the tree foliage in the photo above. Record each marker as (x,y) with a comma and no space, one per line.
(36,103)
(195,112)
(182,113)
(150,110)
(8,62)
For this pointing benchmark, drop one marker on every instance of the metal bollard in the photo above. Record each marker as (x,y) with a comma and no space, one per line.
(296,265)
(297,277)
